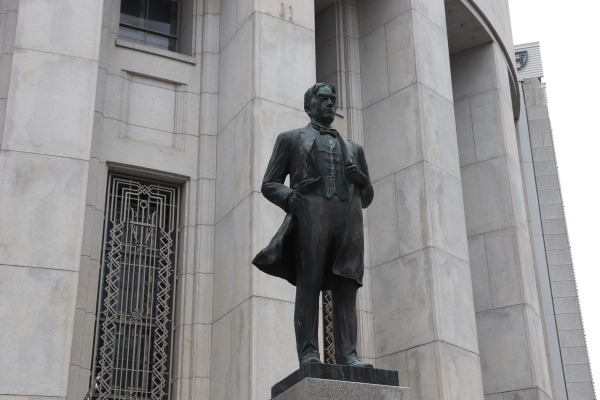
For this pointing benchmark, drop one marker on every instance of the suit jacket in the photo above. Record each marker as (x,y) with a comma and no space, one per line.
(292,155)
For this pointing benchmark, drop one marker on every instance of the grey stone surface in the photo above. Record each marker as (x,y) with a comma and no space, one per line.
(387,149)
(247,61)
(37,314)
(511,342)
(322,389)
(485,183)
(410,134)
(498,331)
(403,315)
(345,373)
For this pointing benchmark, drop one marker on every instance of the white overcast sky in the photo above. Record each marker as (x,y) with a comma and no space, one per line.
(568,33)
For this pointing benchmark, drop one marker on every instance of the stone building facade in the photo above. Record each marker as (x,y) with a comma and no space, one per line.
(134,136)
(565,339)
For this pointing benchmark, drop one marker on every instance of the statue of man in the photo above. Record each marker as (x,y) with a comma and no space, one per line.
(320,243)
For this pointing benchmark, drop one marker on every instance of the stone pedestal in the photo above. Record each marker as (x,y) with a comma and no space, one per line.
(327,381)
(321,389)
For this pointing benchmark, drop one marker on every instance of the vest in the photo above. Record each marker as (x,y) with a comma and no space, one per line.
(328,158)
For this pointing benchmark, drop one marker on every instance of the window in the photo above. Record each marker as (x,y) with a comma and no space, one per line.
(151,22)
(132,358)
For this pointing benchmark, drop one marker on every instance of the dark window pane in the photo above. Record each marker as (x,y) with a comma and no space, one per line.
(132,34)
(133,12)
(162,17)
(159,41)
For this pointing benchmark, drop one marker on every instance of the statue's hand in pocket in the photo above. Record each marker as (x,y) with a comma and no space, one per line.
(296,203)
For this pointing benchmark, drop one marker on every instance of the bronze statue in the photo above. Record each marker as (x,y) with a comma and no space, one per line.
(320,243)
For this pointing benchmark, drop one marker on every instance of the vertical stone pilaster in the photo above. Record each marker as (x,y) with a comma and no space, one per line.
(8,27)
(267,61)
(44,162)
(422,297)
(338,63)
(509,322)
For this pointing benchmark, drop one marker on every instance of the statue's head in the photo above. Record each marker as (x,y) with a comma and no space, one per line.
(320,103)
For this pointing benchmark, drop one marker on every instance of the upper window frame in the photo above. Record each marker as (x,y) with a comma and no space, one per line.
(144,15)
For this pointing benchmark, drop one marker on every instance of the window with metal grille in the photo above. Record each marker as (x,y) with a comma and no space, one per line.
(151,22)
(132,358)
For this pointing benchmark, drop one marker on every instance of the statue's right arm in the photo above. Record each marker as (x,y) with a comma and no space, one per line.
(277,170)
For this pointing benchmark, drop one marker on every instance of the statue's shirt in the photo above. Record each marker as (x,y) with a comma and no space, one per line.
(328,158)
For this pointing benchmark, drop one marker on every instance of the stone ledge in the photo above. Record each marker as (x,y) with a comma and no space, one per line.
(335,372)
(325,389)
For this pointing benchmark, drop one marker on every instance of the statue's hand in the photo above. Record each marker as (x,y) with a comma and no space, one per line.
(296,203)
(355,176)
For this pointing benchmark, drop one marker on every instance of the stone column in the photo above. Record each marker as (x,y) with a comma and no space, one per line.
(423,308)
(43,181)
(509,325)
(267,61)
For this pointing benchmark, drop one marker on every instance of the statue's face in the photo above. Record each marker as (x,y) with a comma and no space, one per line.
(322,106)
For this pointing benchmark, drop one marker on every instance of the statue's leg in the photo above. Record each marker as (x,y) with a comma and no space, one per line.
(306,323)
(310,252)
(344,320)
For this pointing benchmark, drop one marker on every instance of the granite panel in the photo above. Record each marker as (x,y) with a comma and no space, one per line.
(464,132)
(383,220)
(76,35)
(486,196)
(410,212)
(465,83)
(431,55)
(322,389)
(336,372)
(424,372)
(374,14)
(402,304)
(438,131)
(37,310)
(487,125)
(453,312)
(69,84)
(46,199)
(285,50)
(504,351)
(480,275)
(392,135)
(401,68)
(374,67)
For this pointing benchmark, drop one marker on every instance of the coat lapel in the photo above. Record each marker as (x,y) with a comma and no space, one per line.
(347,153)
(308,135)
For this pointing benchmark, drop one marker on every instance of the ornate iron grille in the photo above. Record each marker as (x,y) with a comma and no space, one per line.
(134,326)
(328,340)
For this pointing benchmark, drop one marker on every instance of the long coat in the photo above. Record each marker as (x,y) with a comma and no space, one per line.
(292,155)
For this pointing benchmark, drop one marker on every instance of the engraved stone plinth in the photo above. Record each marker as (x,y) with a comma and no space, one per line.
(325,389)
(336,374)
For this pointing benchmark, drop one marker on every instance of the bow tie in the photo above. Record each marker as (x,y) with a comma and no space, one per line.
(325,131)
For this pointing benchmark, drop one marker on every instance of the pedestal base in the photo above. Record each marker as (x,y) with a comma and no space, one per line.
(337,374)
(324,389)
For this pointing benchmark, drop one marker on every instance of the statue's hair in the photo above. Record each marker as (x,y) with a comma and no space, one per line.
(312,91)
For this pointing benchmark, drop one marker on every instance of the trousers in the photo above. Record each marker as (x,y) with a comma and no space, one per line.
(319,236)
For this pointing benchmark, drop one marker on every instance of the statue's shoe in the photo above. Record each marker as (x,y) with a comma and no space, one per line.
(360,364)
(310,360)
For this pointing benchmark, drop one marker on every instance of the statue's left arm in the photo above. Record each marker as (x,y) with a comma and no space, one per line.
(366,191)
